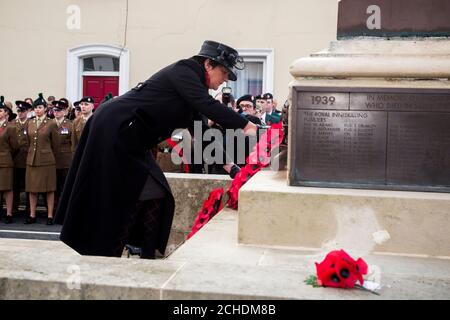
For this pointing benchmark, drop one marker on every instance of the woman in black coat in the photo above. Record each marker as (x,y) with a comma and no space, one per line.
(115,193)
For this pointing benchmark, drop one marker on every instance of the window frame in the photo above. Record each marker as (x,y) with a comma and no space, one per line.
(267,57)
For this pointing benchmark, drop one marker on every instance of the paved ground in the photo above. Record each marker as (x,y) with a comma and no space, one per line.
(38,230)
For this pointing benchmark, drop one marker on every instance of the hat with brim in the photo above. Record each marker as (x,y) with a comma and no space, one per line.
(59,105)
(267,96)
(224,55)
(23,106)
(87,99)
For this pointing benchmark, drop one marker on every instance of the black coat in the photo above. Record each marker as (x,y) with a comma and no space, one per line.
(110,166)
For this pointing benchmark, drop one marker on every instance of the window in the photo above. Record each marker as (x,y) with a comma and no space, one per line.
(101,63)
(118,59)
(250,80)
(257,77)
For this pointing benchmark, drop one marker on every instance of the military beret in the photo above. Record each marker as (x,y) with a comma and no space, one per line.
(258,97)
(40,101)
(247,97)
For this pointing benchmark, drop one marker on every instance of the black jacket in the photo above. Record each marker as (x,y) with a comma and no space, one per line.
(110,166)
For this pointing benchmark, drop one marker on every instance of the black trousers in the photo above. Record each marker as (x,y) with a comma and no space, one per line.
(61,175)
(18,187)
(143,229)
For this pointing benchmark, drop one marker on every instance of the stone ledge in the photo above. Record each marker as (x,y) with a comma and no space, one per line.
(378,58)
(209,266)
(399,222)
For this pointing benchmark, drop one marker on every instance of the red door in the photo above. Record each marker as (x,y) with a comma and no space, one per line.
(98,87)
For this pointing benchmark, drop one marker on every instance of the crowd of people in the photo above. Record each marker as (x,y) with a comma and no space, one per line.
(37,145)
(36,148)
(260,110)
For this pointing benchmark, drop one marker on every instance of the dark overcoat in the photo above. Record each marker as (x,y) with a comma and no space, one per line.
(110,166)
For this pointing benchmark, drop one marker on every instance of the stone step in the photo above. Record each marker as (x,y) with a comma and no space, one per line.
(369,221)
(211,265)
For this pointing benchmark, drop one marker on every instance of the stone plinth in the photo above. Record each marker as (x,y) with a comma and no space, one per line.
(399,222)
(211,265)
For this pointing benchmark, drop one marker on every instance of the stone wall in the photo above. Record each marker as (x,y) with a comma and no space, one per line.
(190,191)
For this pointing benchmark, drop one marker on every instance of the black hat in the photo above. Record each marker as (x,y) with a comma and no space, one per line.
(247,97)
(2,102)
(258,97)
(87,99)
(60,105)
(40,101)
(223,54)
(65,100)
(23,106)
(267,96)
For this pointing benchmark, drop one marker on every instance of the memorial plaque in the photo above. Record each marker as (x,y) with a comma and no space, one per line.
(381,138)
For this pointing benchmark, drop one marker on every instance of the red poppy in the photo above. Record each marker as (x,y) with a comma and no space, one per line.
(340,270)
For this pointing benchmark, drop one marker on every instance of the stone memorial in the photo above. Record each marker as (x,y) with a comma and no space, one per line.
(368,165)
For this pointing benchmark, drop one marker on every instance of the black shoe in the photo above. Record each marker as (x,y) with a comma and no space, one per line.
(30,220)
(8,219)
(49,221)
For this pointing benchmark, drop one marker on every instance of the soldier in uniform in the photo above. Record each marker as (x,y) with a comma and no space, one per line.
(272,114)
(40,174)
(7,150)
(87,106)
(20,159)
(63,153)
(115,192)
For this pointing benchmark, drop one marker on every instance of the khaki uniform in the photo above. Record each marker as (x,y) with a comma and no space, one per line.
(20,160)
(21,139)
(63,154)
(41,169)
(7,148)
(78,126)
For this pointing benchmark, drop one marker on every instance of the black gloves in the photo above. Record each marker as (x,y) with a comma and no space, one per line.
(234,171)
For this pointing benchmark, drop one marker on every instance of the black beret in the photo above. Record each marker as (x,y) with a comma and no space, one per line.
(247,97)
